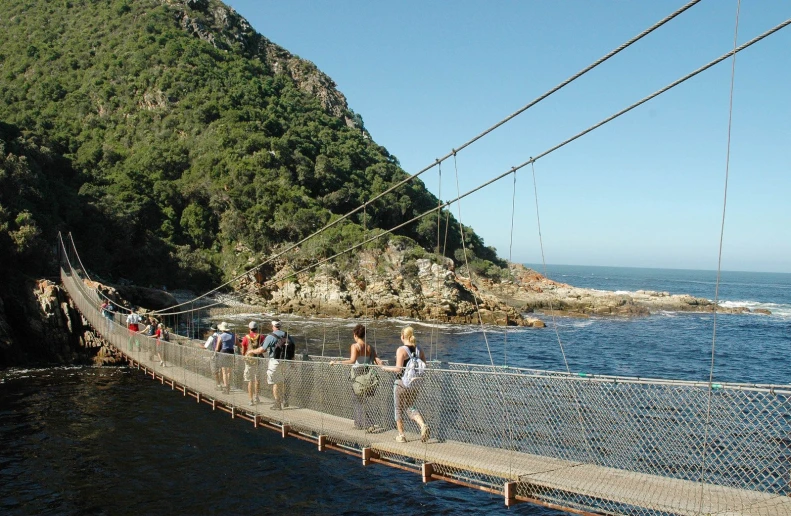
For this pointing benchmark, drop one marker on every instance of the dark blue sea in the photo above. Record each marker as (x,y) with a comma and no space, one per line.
(111,441)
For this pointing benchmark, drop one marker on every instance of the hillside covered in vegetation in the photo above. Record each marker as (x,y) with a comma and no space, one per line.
(179,146)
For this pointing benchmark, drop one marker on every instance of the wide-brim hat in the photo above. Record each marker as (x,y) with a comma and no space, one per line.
(223,326)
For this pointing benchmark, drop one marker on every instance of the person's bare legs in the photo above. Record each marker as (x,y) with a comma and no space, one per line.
(424,430)
(276,393)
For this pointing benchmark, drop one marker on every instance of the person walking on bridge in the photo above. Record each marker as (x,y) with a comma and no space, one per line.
(361,355)
(407,384)
(211,345)
(108,311)
(280,346)
(162,335)
(226,341)
(133,324)
(249,342)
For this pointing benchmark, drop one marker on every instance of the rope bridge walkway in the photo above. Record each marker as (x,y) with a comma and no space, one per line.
(581,443)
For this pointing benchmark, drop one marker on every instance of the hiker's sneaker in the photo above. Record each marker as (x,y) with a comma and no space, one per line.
(425,433)
(252,403)
(257,399)
(276,406)
(400,438)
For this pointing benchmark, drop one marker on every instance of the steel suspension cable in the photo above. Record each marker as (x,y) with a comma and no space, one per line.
(437,283)
(510,256)
(719,260)
(85,271)
(544,264)
(466,144)
(546,152)
(469,270)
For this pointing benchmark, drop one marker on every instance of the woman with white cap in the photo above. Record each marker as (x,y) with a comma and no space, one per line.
(225,346)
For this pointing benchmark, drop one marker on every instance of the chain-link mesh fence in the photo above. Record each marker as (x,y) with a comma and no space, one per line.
(590,443)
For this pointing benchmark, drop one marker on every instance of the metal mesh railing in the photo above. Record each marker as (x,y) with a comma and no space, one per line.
(591,443)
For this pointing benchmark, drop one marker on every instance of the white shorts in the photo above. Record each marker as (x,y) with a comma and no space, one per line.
(273,373)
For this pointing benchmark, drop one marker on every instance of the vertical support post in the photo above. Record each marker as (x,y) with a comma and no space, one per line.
(368,454)
(197,396)
(427,469)
(255,421)
(233,412)
(214,404)
(284,430)
(509,491)
(322,442)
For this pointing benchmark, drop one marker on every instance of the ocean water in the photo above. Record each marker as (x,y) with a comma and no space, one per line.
(111,441)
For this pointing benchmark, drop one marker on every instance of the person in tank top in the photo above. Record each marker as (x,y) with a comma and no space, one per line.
(226,341)
(361,355)
(404,397)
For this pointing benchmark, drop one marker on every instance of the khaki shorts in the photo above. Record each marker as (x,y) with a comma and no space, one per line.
(250,372)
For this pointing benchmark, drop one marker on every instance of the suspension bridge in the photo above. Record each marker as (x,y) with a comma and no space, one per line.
(581,443)
(589,444)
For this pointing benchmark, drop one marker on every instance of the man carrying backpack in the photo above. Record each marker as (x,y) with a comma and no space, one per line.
(279,346)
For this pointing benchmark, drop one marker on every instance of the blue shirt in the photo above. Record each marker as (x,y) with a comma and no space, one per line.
(271,340)
(228,340)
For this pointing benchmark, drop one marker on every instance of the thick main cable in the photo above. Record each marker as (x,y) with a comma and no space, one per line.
(463,146)
(543,154)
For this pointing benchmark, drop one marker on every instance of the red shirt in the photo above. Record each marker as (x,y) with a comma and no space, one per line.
(253,337)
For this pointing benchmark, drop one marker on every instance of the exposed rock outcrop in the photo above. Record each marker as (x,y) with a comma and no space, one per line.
(47,328)
(530,291)
(390,284)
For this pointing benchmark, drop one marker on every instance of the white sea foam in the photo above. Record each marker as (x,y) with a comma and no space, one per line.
(778,310)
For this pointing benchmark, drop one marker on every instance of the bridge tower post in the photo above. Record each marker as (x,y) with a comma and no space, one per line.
(368,456)
(427,469)
(509,491)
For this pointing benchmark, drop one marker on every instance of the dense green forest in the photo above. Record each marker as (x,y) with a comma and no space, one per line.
(179,146)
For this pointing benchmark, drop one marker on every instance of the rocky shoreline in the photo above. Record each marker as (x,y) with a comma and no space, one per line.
(41,325)
(387,283)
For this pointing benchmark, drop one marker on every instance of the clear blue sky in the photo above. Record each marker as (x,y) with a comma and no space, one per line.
(645,190)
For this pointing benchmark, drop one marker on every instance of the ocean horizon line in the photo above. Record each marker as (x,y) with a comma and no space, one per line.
(537,267)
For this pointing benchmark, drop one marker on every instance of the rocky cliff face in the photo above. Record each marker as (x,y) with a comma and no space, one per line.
(385,283)
(41,326)
(391,284)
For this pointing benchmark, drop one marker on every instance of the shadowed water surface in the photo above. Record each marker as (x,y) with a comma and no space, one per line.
(111,441)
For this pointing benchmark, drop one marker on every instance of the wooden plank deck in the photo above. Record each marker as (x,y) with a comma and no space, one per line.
(536,473)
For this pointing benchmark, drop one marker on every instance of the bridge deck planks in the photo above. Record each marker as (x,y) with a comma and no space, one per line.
(539,473)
